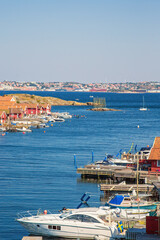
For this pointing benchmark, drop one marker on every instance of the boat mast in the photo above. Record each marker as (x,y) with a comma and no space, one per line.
(143,101)
(137,175)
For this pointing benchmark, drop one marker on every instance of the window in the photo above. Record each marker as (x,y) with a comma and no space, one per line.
(89,219)
(158,163)
(75,217)
(82,218)
(54,227)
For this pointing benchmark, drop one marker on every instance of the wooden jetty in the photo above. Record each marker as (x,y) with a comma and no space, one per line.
(32,238)
(126,187)
(118,174)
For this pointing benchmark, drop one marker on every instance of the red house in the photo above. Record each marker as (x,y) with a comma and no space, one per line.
(31,109)
(3,116)
(154,156)
(46,108)
(15,113)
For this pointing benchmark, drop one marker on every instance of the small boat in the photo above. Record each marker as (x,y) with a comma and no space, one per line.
(110,160)
(41,125)
(87,223)
(133,214)
(128,202)
(143,108)
(23,129)
(58,119)
(2,129)
(64,115)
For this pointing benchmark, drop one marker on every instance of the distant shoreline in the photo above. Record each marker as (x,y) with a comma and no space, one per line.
(19,91)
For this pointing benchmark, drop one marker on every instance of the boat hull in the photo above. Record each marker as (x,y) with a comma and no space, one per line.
(68,230)
(134,206)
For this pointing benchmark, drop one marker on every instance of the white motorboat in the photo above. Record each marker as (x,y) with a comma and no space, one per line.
(51,120)
(65,115)
(23,129)
(87,223)
(115,162)
(58,119)
(42,125)
(2,129)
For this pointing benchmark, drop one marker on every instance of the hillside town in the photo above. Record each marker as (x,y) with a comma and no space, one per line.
(125,87)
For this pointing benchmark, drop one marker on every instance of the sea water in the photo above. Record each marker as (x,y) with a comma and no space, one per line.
(37,169)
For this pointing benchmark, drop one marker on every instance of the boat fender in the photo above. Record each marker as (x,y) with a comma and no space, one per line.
(118,211)
(45,212)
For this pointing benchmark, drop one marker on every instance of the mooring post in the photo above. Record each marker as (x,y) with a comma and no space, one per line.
(75,163)
(92,157)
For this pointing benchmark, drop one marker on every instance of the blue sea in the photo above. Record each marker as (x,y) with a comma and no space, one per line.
(37,169)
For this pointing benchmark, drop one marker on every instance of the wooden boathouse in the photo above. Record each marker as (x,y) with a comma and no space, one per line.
(154,157)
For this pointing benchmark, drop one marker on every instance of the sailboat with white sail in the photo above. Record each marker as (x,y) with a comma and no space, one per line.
(143,108)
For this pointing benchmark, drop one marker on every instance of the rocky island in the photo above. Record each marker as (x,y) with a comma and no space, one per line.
(102,109)
(34,99)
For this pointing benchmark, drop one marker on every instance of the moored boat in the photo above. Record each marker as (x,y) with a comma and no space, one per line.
(143,108)
(75,223)
(23,129)
(128,202)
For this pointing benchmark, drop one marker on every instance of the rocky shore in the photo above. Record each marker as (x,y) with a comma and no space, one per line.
(103,109)
(33,99)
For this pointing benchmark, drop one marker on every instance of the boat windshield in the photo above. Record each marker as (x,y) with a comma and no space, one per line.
(82,218)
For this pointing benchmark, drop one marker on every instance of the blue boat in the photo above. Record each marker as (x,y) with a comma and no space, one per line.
(127,202)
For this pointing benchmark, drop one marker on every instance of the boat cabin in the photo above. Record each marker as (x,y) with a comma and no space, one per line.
(118,200)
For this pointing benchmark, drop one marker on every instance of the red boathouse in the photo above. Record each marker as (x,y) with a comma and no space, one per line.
(154,157)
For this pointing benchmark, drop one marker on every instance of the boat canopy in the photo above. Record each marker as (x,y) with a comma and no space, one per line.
(117,199)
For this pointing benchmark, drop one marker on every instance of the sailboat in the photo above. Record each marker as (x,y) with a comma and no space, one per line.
(143,108)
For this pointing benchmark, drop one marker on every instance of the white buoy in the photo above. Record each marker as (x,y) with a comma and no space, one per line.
(138,126)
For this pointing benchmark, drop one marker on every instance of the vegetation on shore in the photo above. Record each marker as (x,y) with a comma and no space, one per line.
(33,99)
(103,109)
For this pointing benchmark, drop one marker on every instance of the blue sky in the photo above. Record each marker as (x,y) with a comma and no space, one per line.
(80,40)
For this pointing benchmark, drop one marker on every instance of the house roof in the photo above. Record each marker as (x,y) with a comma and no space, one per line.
(31,105)
(7,106)
(7,103)
(7,98)
(155,150)
(15,110)
(3,107)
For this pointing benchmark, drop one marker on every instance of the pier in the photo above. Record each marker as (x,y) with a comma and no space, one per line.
(117,174)
(126,188)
